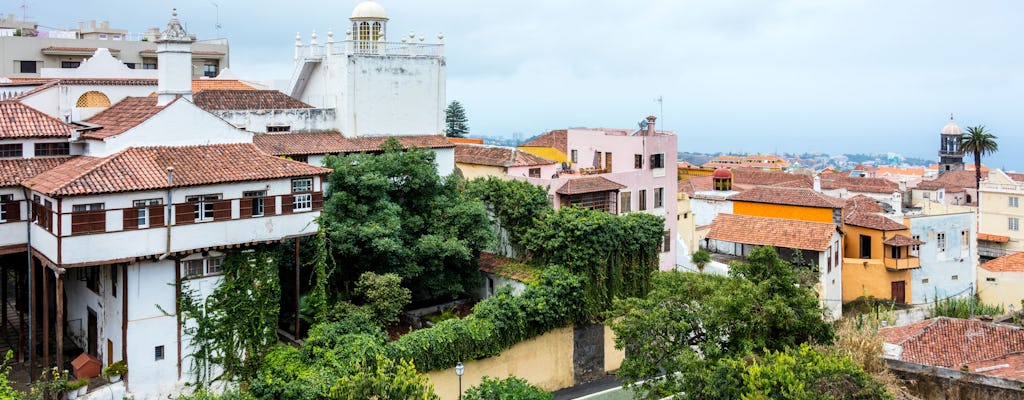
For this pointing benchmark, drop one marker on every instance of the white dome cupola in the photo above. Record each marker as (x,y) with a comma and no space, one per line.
(369,22)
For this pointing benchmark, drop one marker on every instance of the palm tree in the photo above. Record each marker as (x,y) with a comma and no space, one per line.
(700,258)
(979,142)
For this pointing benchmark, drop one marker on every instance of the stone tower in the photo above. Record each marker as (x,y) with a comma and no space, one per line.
(951,156)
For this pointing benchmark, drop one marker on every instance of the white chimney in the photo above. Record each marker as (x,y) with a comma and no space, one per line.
(174,62)
(817,183)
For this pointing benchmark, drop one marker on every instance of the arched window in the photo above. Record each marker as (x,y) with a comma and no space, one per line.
(93,99)
(375,33)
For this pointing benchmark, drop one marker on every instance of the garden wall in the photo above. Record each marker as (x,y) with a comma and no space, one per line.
(555,360)
(928,382)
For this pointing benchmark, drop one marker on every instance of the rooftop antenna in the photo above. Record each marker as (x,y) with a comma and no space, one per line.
(24,10)
(661,110)
(217,24)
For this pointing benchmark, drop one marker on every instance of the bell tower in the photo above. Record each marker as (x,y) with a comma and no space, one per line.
(369,26)
(951,156)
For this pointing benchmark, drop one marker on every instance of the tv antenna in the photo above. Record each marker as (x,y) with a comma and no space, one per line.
(217,23)
(661,110)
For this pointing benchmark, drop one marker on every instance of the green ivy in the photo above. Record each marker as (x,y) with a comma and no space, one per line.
(514,205)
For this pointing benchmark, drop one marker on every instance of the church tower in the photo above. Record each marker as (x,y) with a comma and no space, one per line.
(951,156)
(174,62)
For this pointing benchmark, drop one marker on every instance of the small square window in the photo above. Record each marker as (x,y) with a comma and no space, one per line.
(955,277)
(213,265)
(990,279)
(303,202)
(302,185)
(193,268)
(925,280)
(535,172)
(158,353)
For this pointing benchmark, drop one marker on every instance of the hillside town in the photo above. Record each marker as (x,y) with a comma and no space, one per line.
(169,229)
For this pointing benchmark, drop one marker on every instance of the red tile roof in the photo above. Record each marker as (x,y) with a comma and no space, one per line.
(988,237)
(752,176)
(332,142)
(760,231)
(865,212)
(557,139)
(497,156)
(588,184)
(1008,263)
(124,115)
(952,181)
(199,85)
(196,52)
(145,168)
(1019,177)
(901,240)
(787,196)
(89,50)
(506,267)
(246,100)
(953,343)
(14,171)
(19,121)
(863,185)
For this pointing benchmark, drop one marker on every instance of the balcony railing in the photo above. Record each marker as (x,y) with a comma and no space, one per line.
(900,264)
(370,48)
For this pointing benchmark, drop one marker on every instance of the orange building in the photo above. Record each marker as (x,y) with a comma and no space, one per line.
(880,253)
(788,203)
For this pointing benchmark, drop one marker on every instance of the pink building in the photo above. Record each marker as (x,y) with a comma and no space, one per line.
(615,170)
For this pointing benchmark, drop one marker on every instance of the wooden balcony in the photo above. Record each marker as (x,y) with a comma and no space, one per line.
(900,264)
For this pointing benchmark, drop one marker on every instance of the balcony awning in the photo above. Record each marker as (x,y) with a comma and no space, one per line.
(73,51)
(900,241)
(988,237)
(588,185)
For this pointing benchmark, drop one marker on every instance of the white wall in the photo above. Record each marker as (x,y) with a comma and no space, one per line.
(151,284)
(179,124)
(445,159)
(299,120)
(705,209)
(395,95)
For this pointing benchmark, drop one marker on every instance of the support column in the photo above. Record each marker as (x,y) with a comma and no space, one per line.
(59,298)
(46,319)
(298,291)
(3,293)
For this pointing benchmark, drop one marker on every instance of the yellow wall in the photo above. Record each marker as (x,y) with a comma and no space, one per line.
(549,153)
(783,211)
(470,171)
(686,226)
(1007,289)
(995,213)
(612,357)
(869,277)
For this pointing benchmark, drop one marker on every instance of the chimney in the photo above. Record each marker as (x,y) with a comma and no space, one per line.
(650,125)
(174,62)
(817,183)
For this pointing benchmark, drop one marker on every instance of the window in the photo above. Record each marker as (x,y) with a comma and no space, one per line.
(278,128)
(204,206)
(52,149)
(915,249)
(964,243)
(70,64)
(643,200)
(142,207)
(829,258)
(10,150)
(203,267)
(130,65)
(894,253)
(658,160)
(535,172)
(149,65)
(85,207)
(990,279)
(925,280)
(940,242)
(659,197)
(193,268)
(1013,224)
(666,243)
(210,70)
(955,277)
(865,246)
(103,36)
(28,67)
(625,202)
(91,277)
(302,185)
(303,202)
(255,199)
(574,156)
(638,161)
(4,199)
(113,280)
(1014,201)
(926,195)
(301,158)
(213,265)
(158,353)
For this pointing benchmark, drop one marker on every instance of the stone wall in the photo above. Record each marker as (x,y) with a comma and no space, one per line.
(936,383)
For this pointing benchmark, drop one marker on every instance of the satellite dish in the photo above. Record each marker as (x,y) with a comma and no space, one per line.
(643,124)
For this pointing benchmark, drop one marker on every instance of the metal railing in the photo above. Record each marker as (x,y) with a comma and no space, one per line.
(371,48)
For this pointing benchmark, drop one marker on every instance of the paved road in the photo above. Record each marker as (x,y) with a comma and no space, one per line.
(608,382)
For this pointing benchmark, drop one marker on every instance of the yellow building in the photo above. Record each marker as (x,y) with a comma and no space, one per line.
(1000,214)
(1001,282)
(879,253)
(686,227)
(552,145)
(788,203)
(688,170)
(765,162)
(476,161)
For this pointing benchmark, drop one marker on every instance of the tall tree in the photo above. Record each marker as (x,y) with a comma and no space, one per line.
(455,120)
(979,142)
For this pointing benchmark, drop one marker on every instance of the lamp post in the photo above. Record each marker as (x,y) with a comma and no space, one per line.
(459,370)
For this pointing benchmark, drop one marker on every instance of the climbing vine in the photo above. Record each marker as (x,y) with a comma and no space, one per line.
(322,271)
(514,206)
(232,329)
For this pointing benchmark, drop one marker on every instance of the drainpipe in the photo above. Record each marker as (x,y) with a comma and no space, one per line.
(167,218)
(28,255)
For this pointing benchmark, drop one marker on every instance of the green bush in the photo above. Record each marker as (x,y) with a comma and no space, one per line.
(385,297)
(511,388)
(962,307)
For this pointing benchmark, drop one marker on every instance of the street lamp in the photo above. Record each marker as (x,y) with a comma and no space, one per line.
(459,370)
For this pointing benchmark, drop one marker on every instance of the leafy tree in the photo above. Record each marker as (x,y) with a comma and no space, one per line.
(687,322)
(392,213)
(979,142)
(700,258)
(515,206)
(385,297)
(511,388)
(383,379)
(455,120)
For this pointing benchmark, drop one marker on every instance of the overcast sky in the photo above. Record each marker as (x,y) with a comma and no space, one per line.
(752,75)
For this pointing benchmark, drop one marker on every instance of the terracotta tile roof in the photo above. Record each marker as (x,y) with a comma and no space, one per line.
(752,176)
(506,267)
(124,115)
(198,85)
(14,171)
(18,121)
(901,240)
(497,156)
(195,52)
(864,185)
(686,164)
(1008,263)
(863,203)
(558,139)
(952,343)
(783,233)
(588,184)
(89,50)
(872,220)
(332,142)
(145,168)
(988,237)
(952,181)
(788,196)
(1015,176)
(461,140)
(210,99)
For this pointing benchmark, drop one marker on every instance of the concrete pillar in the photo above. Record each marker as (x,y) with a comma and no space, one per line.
(59,298)
(46,319)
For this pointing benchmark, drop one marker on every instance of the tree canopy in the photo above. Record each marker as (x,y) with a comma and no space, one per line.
(979,142)
(455,120)
(391,212)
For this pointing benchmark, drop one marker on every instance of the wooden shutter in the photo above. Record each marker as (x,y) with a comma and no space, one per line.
(131,218)
(270,205)
(156,215)
(318,200)
(287,204)
(221,210)
(88,222)
(245,207)
(13,210)
(184,213)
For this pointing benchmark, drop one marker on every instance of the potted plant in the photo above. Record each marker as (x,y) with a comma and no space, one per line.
(78,387)
(113,372)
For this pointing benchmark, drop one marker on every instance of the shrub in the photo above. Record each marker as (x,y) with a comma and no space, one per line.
(117,368)
(385,297)
(511,388)
(962,307)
